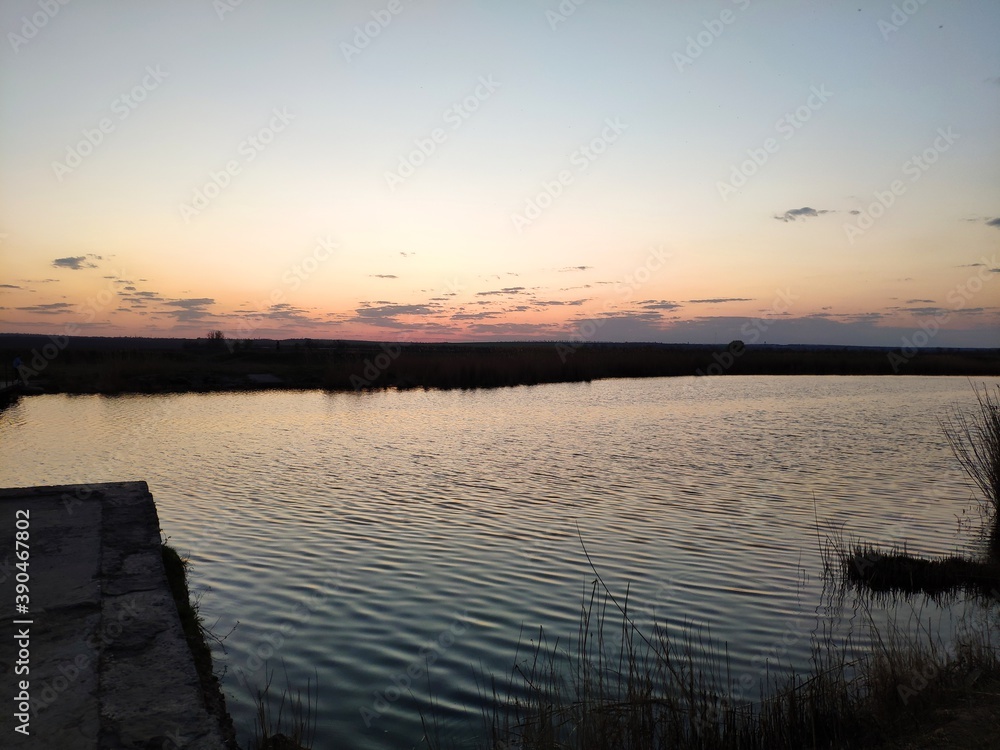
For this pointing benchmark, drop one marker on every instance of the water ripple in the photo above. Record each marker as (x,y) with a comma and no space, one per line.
(367,537)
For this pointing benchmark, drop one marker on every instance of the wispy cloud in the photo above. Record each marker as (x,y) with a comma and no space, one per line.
(288,313)
(719,300)
(189,309)
(482,315)
(387,314)
(519,330)
(801,213)
(77,262)
(51,308)
(553,302)
(925,310)
(662,304)
(507,290)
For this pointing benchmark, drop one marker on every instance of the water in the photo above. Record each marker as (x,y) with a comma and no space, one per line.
(357,537)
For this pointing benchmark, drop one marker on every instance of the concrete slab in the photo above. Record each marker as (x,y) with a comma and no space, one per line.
(99,650)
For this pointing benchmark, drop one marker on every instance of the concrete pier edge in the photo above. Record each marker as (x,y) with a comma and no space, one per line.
(108,663)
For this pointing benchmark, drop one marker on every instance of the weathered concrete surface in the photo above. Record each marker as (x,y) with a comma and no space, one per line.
(109,665)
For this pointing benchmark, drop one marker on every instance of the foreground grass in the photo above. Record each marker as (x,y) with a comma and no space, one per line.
(616,687)
(974,437)
(285,722)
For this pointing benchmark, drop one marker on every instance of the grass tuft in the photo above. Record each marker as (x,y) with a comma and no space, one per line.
(893,570)
(286,722)
(974,437)
(614,686)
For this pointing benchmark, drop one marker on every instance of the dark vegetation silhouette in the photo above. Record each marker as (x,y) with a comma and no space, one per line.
(615,685)
(109,366)
(974,437)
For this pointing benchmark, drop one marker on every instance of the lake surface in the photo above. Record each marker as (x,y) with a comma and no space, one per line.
(354,536)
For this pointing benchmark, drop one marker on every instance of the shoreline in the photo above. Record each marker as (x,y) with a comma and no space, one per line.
(123,366)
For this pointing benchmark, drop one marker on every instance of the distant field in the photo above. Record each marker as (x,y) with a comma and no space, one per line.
(135,365)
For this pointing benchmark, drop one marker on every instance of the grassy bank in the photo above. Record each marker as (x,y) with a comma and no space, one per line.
(195,633)
(896,571)
(143,366)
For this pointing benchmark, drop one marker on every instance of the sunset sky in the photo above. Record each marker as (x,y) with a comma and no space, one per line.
(781,172)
